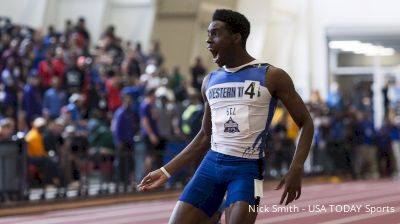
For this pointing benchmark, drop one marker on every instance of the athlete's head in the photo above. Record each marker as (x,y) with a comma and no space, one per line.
(227,32)
(235,22)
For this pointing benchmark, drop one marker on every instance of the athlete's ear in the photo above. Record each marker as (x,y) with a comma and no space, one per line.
(237,38)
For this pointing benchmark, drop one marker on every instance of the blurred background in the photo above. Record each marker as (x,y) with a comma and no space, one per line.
(96,93)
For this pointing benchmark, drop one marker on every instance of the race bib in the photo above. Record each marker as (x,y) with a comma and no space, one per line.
(232,121)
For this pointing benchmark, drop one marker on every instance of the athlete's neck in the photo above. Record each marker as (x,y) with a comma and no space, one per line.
(241,59)
(235,69)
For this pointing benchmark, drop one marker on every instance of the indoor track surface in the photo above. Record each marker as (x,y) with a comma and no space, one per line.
(360,202)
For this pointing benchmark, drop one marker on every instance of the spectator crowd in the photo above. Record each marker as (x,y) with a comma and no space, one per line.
(84,106)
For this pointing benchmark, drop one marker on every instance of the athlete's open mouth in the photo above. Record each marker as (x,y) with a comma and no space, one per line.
(214,54)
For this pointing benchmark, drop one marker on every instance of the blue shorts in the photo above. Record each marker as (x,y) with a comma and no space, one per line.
(219,173)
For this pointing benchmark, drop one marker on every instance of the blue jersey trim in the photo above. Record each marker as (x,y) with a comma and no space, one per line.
(254,72)
(262,137)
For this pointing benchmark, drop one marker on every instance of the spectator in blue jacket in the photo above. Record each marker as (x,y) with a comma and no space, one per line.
(32,98)
(54,99)
(123,129)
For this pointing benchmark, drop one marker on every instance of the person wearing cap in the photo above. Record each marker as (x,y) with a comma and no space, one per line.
(37,154)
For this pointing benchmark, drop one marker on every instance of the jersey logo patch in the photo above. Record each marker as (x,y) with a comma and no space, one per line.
(231,126)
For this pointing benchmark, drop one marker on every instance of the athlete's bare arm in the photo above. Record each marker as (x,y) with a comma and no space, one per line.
(197,148)
(281,86)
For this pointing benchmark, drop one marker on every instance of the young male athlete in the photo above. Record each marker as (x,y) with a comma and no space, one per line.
(240,100)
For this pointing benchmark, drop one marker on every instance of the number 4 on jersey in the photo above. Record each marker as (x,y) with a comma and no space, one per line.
(250,88)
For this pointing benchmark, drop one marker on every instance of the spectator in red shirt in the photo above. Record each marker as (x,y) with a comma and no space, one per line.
(46,71)
(58,63)
(113,88)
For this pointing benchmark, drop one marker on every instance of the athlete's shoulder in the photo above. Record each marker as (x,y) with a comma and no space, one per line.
(204,85)
(278,79)
(216,71)
(276,73)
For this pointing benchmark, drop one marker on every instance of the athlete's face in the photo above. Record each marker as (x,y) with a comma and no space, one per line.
(220,42)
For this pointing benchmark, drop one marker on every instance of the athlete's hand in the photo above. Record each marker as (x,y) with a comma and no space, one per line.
(292,182)
(153,180)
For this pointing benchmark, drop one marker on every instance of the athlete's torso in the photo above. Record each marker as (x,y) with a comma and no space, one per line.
(241,110)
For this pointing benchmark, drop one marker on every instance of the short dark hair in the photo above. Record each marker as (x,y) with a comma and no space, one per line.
(150,92)
(236,22)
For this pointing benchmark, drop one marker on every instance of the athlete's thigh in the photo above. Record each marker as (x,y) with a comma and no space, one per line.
(239,213)
(241,195)
(205,190)
(186,213)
